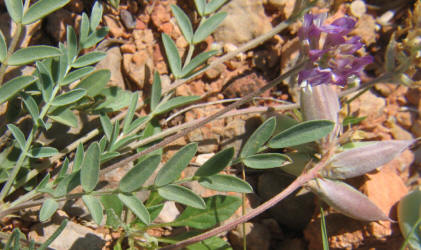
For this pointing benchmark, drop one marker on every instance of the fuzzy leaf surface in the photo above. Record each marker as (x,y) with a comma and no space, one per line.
(181,195)
(218,209)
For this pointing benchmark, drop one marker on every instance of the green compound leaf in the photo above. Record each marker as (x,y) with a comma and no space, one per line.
(95,82)
(213,6)
(301,133)
(259,138)
(217,163)
(84,28)
(115,99)
(173,57)
(107,126)
(31,106)
(15,9)
(45,80)
(71,44)
(136,206)
(96,15)
(32,53)
(200,6)
(218,209)
(49,207)
(182,195)
(42,152)
(13,243)
(175,103)
(409,218)
(54,235)
(267,160)
(136,177)
(69,97)
(77,162)
(174,166)
(90,168)
(209,26)
(183,22)
(130,113)
(41,9)
(211,243)
(3,47)
(64,116)
(112,219)
(76,75)
(94,207)
(225,183)
(88,59)
(156,91)
(111,201)
(94,38)
(197,61)
(12,87)
(18,134)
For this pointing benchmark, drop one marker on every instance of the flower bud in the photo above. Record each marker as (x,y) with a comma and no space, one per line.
(320,102)
(346,200)
(358,161)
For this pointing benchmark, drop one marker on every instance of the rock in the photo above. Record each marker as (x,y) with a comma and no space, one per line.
(286,6)
(208,136)
(138,67)
(257,236)
(57,22)
(116,29)
(245,85)
(405,118)
(366,29)
(416,128)
(112,62)
(385,188)
(368,105)
(202,158)
(295,211)
(128,20)
(168,213)
(400,133)
(74,236)
(246,20)
(414,96)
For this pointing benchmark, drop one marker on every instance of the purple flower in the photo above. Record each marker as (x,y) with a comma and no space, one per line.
(333,62)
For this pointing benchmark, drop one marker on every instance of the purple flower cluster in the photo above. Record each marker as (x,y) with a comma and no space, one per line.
(334,62)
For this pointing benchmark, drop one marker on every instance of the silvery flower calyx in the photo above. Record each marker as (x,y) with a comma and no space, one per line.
(346,199)
(358,161)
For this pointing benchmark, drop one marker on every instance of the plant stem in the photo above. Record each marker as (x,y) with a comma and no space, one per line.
(208,119)
(297,183)
(243,48)
(251,44)
(407,237)
(17,167)
(189,55)
(12,47)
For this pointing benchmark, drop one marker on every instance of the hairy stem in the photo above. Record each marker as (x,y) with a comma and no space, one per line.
(297,183)
(12,47)
(208,119)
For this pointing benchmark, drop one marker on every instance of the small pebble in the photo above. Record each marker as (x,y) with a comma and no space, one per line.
(128,20)
(358,8)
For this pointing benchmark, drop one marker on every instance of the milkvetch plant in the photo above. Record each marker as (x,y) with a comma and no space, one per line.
(65,81)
